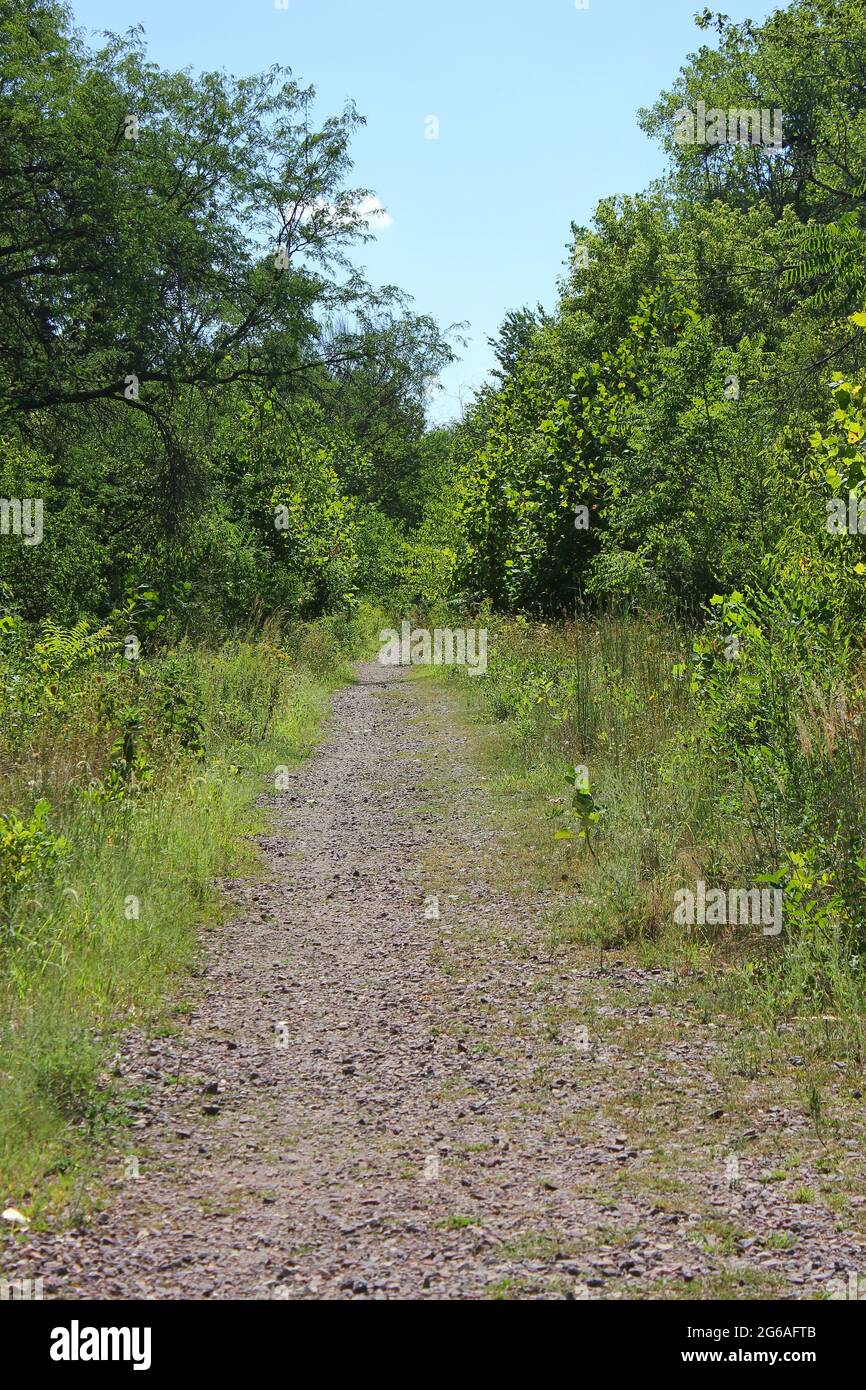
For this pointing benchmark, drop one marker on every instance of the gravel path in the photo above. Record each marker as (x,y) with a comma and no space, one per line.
(370,1101)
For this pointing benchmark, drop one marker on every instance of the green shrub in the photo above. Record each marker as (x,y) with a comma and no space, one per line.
(29,850)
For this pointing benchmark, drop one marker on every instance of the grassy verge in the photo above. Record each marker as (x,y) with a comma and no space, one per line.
(133,786)
(661,801)
(691,1080)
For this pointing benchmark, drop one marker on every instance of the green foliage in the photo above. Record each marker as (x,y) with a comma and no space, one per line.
(187,344)
(679,394)
(645,803)
(28,850)
(584,806)
(657,454)
(75,964)
(685,361)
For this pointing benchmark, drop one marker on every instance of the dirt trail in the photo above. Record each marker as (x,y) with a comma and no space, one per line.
(367,1101)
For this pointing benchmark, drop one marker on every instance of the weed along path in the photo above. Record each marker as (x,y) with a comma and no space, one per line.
(360,1098)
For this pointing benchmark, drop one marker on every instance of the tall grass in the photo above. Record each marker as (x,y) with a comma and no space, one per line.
(607,697)
(92,941)
(684,783)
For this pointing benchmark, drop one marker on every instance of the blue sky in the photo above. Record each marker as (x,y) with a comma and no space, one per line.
(536,102)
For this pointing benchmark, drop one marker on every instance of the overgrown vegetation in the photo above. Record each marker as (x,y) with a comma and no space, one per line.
(133,788)
(646,786)
(675,456)
(224,425)
(212,446)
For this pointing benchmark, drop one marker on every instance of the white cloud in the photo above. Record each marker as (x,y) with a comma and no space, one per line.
(368,210)
(372,211)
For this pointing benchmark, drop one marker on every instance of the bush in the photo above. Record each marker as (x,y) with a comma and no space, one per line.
(28,850)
